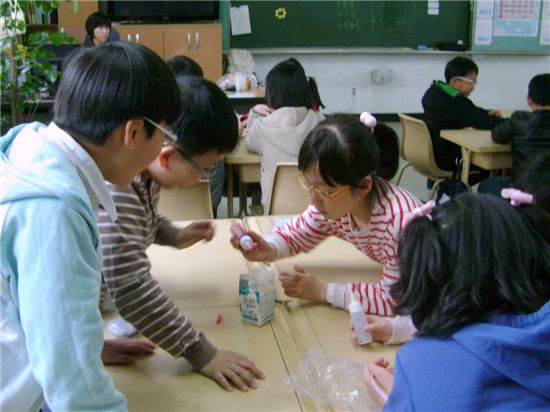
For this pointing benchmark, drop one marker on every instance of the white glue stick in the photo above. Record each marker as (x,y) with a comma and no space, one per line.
(359,320)
(245,241)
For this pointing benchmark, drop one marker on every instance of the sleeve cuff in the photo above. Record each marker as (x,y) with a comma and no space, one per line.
(279,243)
(336,295)
(403,330)
(200,353)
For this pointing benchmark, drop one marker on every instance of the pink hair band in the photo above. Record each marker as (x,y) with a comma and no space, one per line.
(424,210)
(517,197)
(368,120)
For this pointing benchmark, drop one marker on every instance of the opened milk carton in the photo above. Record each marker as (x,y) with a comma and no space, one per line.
(257,296)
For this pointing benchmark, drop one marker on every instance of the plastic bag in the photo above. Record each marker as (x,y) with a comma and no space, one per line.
(333,380)
(240,60)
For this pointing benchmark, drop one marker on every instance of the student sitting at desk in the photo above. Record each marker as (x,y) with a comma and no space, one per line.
(529,133)
(205,130)
(277,130)
(446,106)
(345,167)
(483,319)
(52,183)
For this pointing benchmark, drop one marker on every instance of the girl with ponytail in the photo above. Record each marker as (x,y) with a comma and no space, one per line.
(345,165)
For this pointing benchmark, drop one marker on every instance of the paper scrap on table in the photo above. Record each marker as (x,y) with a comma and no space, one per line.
(240,20)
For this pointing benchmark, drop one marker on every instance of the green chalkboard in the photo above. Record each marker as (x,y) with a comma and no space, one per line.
(353,23)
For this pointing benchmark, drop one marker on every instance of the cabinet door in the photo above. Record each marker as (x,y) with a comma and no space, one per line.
(151,38)
(148,36)
(201,42)
(74,23)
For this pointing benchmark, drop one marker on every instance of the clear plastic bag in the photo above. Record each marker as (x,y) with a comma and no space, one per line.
(333,380)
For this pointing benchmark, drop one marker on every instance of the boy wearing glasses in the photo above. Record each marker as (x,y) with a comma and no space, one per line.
(447,106)
(53,181)
(204,132)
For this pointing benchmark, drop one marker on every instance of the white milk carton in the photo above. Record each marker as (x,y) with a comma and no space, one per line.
(257,296)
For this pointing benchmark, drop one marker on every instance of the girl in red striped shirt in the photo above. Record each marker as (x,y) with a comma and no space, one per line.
(345,165)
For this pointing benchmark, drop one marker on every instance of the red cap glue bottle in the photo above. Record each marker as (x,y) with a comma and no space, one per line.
(358,320)
(245,241)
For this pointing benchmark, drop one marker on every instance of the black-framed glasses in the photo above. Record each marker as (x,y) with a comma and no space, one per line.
(205,172)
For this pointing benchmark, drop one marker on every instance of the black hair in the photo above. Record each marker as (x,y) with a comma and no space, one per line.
(94,20)
(346,151)
(539,89)
(459,67)
(315,92)
(287,85)
(207,120)
(184,66)
(475,258)
(535,179)
(103,87)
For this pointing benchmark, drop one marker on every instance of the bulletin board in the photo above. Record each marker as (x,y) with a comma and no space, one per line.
(354,23)
(511,25)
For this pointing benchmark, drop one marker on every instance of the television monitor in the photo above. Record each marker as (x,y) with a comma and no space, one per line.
(160,11)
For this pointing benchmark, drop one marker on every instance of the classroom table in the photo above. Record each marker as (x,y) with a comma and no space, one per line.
(247,165)
(478,149)
(203,281)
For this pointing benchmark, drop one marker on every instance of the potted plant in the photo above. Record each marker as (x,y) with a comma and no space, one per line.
(22,58)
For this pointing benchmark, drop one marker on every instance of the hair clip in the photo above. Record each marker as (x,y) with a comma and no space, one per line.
(368,120)
(424,210)
(517,197)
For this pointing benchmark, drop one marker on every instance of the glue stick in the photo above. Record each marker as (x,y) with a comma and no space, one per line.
(245,241)
(359,320)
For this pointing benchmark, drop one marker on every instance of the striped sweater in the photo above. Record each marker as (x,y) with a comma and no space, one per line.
(127,271)
(378,240)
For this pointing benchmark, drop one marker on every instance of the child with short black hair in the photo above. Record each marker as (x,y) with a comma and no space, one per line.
(277,130)
(346,168)
(53,182)
(184,66)
(205,130)
(447,106)
(528,132)
(99,30)
(475,278)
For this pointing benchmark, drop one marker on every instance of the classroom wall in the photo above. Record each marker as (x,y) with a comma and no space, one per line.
(502,81)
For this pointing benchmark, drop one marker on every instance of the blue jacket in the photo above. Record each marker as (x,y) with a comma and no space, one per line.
(51,329)
(500,365)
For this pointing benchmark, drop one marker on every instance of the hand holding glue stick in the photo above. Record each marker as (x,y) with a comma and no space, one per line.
(245,241)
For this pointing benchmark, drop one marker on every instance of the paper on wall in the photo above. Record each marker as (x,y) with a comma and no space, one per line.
(240,20)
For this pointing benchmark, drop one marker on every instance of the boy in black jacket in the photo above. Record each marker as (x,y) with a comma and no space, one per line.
(446,106)
(528,132)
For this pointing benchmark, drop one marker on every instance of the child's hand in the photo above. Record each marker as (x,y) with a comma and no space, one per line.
(125,351)
(262,252)
(230,369)
(262,109)
(194,233)
(379,327)
(379,380)
(303,285)
(496,113)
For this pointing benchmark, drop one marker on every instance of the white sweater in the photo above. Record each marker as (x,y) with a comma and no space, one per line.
(278,138)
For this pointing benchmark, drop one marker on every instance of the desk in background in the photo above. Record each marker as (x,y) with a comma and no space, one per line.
(478,149)
(244,101)
(247,165)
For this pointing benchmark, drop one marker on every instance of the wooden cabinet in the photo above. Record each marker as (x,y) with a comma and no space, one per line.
(148,36)
(201,42)
(74,23)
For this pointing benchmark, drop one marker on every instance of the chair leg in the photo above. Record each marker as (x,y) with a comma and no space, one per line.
(435,186)
(401,173)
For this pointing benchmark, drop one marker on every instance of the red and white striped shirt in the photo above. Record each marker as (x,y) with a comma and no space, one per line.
(378,240)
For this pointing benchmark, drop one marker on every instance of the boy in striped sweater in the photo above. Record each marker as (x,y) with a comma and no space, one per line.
(205,130)
(345,166)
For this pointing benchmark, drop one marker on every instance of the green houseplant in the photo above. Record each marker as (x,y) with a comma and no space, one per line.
(22,58)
